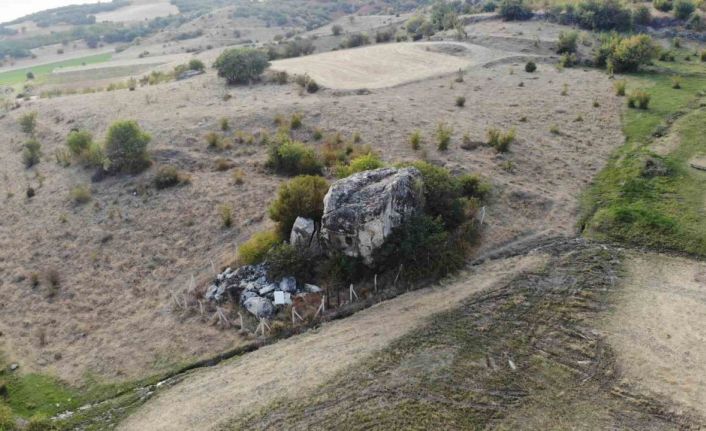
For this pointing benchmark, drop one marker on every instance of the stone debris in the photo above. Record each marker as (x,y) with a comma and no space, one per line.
(251,287)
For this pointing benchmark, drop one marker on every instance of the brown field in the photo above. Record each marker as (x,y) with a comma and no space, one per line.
(387,65)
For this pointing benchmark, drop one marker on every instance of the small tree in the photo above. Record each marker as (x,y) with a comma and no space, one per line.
(632,52)
(241,65)
(126,147)
(303,196)
(336,30)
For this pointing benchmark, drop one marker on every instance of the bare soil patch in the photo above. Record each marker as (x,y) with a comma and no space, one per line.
(658,328)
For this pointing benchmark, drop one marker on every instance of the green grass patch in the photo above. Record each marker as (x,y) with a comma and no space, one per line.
(631,203)
(19,76)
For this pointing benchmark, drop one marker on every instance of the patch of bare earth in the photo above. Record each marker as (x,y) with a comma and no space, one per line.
(299,364)
(658,328)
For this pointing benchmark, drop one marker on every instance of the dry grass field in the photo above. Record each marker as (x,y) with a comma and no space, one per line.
(387,65)
(577,334)
(120,255)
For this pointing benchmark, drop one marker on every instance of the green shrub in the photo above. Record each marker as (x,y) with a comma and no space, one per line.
(703,55)
(625,54)
(286,260)
(642,15)
(639,99)
(302,196)
(472,186)
(355,39)
(442,193)
(514,10)
(80,194)
(567,42)
(423,247)
(336,30)
(31,152)
(241,65)
(169,176)
(255,249)
(683,8)
(7,420)
(663,5)
(287,157)
(126,147)
(567,60)
(28,122)
(666,56)
(365,162)
(312,86)
(40,422)
(225,212)
(443,136)
(500,141)
(214,140)
(224,124)
(94,155)
(460,101)
(603,15)
(296,121)
(415,140)
(619,87)
(79,141)
(196,64)
(676,82)
(530,67)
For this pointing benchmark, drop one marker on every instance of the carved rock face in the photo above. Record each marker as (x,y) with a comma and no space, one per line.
(361,211)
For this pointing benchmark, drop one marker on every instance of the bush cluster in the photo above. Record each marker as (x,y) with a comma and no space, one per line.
(567,42)
(302,196)
(530,67)
(241,65)
(499,140)
(683,8)
(28,122)
(624,54)
(288,157)
(126,147)
(514,10)
(361,163)
(169,176)
(255,249)
(31,152)
(639,99)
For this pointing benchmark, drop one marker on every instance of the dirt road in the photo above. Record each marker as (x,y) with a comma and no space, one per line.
(301,363)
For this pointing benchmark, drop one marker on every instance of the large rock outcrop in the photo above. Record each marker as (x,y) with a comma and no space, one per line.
(361,211)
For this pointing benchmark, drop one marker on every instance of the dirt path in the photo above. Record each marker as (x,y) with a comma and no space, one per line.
(658,329)
(299,364)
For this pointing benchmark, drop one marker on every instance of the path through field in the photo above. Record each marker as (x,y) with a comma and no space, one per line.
(299,364)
